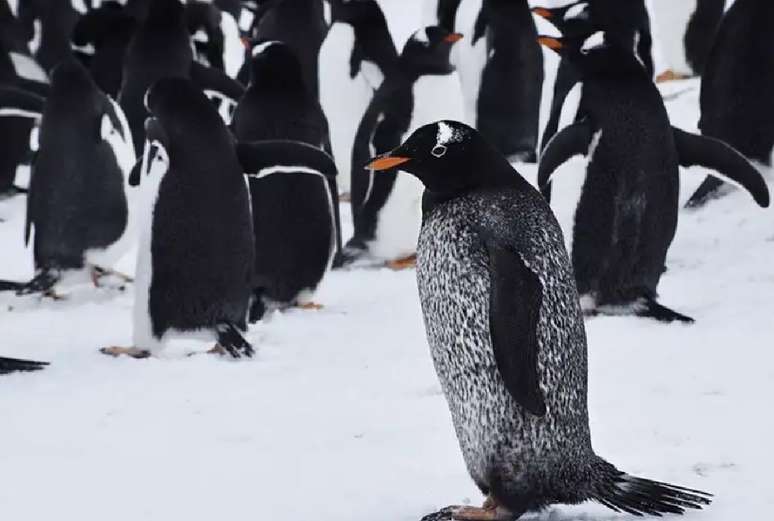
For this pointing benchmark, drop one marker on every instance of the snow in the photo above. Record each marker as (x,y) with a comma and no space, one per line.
(340,416)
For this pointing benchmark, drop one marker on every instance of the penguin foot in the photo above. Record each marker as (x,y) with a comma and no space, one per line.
(232,341)
(98,273)
(670,75)
(133,352)
(345,198)
(310,306)
(403,264)
(494,513)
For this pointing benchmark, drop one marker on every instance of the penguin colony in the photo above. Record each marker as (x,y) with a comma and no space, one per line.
(141,130)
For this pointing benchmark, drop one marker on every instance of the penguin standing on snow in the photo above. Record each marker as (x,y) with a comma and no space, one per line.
(624,24)
(626,215)
(736,102)
(386,208)
(161,48)
(507,337)
(195,258)
(300,24)
(355,57)
(294,221)
(278,104)
(14,365)
(77,203)
(685,31)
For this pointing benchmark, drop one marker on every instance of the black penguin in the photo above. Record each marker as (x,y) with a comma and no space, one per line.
(736,102)
(204,25)
(511,83)
(700,33)
(278,104)
(77,203)
(294,221)
(626,214)
(444,13)
(15,126)
(195,258)
(300,24)
(507,336)
(14,365)
(625,24)
(55,20)
(386,209)
(161,48)
(358,53)
(108,29)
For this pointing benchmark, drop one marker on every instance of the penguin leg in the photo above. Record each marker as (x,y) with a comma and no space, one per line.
(133,352)
(230,339)
(403,264)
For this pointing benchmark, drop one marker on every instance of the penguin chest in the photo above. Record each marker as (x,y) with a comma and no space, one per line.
(454,284)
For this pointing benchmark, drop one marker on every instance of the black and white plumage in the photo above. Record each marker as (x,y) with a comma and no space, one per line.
(15,365)
(294,220)
(507,336)
(736,105)
(78,206)
(50,25)
(619,227)
(386,208)
(356,56)
(195,259)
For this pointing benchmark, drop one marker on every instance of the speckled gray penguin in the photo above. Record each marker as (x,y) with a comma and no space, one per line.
(507,336)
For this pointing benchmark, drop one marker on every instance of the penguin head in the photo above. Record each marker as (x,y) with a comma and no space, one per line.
(353,11)
(595,56)
(449,158)
(274,64)
(428,51)
(162,12)
(573,20)
(73,90)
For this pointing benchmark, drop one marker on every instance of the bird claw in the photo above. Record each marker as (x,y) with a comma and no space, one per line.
(133,352)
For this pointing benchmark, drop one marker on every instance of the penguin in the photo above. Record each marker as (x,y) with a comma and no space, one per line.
(161,48)
(625,24)
(294,221)
(14,365)
(278,104)
(625,218)
(196,250)
(386,208)
(355,57)
(735,103)
(78,206)
(51,23)
(300,24)
(685,31)
(507,337)
(204,21)
(108,30)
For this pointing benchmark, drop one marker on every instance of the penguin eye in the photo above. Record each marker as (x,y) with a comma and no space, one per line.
(438,151)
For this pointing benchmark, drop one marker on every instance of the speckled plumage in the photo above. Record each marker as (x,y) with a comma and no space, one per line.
(454,284)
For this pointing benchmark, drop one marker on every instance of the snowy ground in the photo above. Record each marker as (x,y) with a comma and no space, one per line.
(340,416)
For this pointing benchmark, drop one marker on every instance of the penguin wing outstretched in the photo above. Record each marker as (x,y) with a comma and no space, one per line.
(13,365)
(19,103)
(573,140)
(515,298)
(731,166)
(260,155)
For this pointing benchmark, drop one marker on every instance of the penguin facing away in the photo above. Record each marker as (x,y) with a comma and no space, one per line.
(294,221)
(736,102)
(625,218)
(355,57)
(78,205)
(507,336)
(195,258)
(386,208)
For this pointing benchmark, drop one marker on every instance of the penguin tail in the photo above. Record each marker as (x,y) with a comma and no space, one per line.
(230,339)
(621,492)
(13,365)
(9,285)
(710,189)
(649,308)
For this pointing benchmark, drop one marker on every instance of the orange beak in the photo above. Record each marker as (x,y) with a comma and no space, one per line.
(453,38)
(543,12)
(386,163)
(552,43)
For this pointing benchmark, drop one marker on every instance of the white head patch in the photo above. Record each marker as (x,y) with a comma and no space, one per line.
(258,49)
(447,135)
(577,11)
(592,42)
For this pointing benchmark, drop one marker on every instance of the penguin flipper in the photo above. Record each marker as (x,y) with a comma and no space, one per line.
(19,103)
(731,165)
(256,156)
(515,298)
(13,365)
(571,141)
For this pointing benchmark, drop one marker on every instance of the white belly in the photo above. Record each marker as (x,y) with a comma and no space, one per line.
(344,100)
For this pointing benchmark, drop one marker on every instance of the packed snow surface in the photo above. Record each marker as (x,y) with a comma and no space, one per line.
(340,416)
